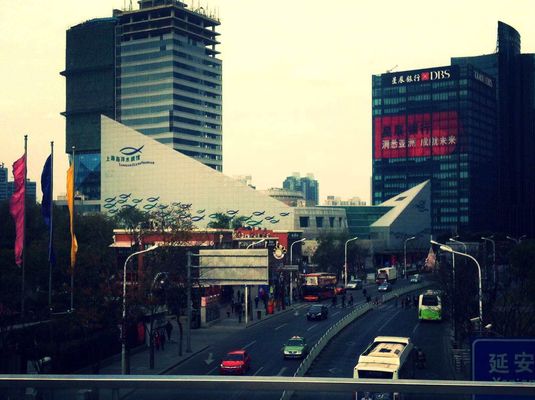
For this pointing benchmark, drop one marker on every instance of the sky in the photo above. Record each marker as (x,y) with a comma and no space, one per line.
(296,77)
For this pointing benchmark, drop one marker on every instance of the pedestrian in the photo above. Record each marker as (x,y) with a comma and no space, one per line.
(333,301)
(368,299)
(408,301)
(239,308)
(350,299)
(415,301)
(344,300)
(364,292)
(161,335)
(420,358)
(169,329)
(256,300)
(403,302)
(156,340)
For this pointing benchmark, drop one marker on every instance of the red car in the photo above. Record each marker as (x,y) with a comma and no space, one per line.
(235,362)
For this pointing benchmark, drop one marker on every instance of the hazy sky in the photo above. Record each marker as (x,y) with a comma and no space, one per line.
(296,76)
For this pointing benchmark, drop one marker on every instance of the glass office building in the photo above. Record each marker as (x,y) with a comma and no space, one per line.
(437,124)
(154,69)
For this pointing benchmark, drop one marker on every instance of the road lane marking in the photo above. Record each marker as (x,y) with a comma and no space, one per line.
(210,359)
(312,327)
(282,371)
(278,327)
(414,330)
(336,313)
(212,370)
(259,369)
(250,344)
(387,321)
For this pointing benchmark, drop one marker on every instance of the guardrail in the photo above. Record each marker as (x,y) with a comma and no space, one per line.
(336,328)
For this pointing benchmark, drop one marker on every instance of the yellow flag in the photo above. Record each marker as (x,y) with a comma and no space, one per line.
(70,204)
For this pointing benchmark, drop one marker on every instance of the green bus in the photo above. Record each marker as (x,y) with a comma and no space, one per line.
(430,306)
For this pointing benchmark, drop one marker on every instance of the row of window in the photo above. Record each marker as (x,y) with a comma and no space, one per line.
(165,119)
(304,222)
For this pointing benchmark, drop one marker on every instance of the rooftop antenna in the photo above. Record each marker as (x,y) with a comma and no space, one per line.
(391,69)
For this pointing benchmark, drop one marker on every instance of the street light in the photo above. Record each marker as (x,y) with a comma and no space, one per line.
(517,241)
(450,250)
(457,241)
(452,289)
(405,254)
(123,345)
(345,259)
(493,255)
(291,263)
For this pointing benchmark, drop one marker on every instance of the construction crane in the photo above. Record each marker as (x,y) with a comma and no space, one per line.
(391,69)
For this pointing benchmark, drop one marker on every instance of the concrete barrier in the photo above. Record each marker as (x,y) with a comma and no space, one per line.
(337,328)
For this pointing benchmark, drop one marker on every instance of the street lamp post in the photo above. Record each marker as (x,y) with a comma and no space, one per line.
(345,259)
(493,256)
(517,241)
(291,263)
(255,243)
(405,255)
(123,331)
(450,250)
(454,299)
(457,241)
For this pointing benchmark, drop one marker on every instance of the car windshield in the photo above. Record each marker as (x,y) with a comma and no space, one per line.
(430,301)
(233,357)
(316,308)
(295,342)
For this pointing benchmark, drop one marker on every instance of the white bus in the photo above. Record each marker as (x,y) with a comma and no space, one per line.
(430,306)
(387,357)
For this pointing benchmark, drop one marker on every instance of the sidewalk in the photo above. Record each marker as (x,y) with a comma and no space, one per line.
(201,339)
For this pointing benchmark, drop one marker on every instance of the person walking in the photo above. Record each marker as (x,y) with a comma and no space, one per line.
(256,300)
(156,340)
(168,330)
(344,300)
(161,335)
(350,299)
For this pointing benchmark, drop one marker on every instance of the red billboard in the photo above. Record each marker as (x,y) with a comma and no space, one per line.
(415,135)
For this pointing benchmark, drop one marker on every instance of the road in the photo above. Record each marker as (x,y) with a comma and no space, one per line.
(265,340)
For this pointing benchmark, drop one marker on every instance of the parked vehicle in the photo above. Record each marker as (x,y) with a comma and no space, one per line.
(317,311)
(415,279)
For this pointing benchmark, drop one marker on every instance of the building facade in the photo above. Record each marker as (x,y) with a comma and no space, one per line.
(306,185)
(514,74)
(154,69)
(468,127)
(437,124)
(3,182)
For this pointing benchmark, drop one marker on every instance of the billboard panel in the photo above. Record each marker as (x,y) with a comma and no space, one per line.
(415,135)
(420,76)
(234,267)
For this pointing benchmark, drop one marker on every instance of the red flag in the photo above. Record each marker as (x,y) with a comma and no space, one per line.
(16,205)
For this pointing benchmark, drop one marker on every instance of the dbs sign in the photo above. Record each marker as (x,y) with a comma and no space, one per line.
(415,135)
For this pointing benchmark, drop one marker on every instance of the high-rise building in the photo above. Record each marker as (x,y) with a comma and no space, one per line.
(437,124)
(468,127)
(306,185)
(515,92)
(7,186)
(154,69)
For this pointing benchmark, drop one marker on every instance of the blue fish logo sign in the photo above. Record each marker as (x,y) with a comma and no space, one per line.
(130,151)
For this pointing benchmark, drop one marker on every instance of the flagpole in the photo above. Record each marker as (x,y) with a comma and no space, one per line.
(72,224)
(50,233)
(23,289)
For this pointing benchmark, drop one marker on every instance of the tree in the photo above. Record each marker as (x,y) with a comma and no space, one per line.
(220,221)
(330,254)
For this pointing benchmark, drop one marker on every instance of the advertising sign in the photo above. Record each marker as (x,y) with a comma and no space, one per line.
(415,135)
(505,360)
(234,267)
(419,76)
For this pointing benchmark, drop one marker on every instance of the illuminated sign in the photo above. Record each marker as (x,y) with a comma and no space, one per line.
(419,76)
(415,135)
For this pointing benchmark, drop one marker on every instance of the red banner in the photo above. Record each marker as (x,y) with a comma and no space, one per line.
(415,135)
(16,205)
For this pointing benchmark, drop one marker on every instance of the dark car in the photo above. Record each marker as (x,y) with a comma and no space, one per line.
(235,362)
(317,311)
(384,287)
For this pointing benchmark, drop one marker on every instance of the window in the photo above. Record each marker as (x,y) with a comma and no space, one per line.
(303,222)
(331,222)
(319,222)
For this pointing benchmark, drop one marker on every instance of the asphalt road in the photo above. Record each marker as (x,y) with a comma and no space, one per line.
(265,340)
